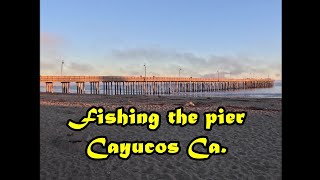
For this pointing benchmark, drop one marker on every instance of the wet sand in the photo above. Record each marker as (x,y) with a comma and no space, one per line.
(254,149)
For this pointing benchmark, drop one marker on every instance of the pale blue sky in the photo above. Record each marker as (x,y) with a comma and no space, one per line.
(104,37)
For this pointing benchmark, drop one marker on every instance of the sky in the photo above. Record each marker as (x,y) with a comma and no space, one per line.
(117,37)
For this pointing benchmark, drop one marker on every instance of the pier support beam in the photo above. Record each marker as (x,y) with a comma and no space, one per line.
(65,87)
(80,87)
(49,87)
(94,87)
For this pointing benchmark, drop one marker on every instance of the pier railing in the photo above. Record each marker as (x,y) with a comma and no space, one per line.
(139,79)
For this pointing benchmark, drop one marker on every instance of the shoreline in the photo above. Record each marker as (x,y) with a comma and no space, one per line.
(126,100)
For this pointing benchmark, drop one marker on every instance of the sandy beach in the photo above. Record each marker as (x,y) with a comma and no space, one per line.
(254,148)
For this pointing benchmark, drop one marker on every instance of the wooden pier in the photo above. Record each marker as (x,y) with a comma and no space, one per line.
(125,85)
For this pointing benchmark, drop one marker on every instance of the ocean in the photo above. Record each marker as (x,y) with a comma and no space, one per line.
(274,92)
